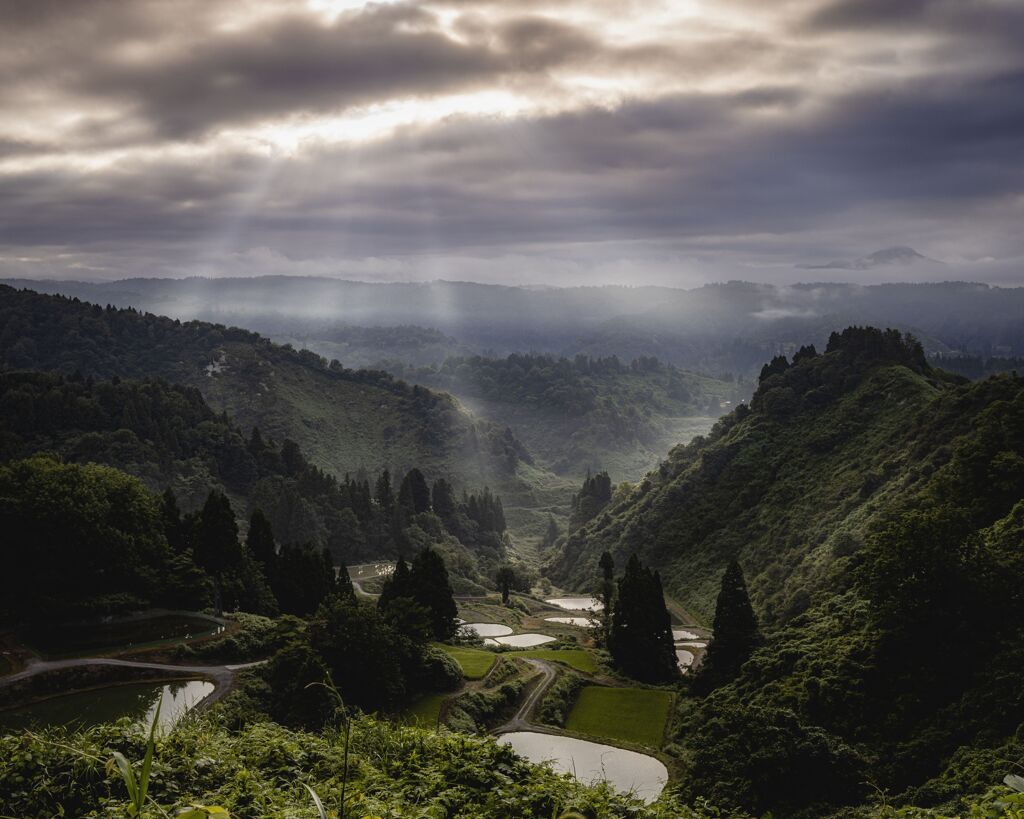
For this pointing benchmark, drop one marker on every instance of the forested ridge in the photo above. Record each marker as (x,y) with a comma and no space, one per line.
(877,508)
(344,420)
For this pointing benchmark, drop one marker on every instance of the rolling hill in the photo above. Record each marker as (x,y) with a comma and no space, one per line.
(345,421)
(876,506)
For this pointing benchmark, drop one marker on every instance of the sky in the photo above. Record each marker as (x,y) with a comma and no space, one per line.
(526,142)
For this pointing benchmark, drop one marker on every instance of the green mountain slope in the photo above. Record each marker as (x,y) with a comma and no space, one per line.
(877,508)
(784,486)
(582,414)
(345,421)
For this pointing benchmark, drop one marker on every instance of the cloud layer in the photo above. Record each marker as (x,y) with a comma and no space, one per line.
(583,141)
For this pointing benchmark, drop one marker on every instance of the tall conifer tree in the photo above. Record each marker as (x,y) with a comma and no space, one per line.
(736,632)
(260,539)
(641,630)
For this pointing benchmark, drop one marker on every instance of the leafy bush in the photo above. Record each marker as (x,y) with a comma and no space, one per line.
(262,769)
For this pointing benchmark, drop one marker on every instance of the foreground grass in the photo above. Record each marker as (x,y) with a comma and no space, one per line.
(574,658)
(261,770)
(475,662)
(629,714)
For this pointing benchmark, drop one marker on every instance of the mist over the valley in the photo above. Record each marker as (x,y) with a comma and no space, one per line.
(716,329)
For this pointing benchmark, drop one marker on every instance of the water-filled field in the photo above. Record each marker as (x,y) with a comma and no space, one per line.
(580,622)
(576,603)
(135,700)
(487,629)
(524,640)
(626,771)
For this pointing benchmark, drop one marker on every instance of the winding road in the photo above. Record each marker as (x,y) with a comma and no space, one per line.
(221,675)
(519,721)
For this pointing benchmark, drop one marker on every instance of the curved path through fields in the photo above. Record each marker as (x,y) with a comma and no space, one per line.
(222,676)
(520,720)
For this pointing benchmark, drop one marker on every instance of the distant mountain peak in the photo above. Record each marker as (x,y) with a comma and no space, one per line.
(899,255)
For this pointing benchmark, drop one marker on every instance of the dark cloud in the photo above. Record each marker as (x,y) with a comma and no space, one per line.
(290,65)
(805,141)
(296,64)
(679,167)
(861,14)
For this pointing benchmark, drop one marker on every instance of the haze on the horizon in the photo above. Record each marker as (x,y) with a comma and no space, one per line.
(580,142)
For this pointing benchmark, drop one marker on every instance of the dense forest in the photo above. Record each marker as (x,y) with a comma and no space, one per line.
(875,506)
(167,436)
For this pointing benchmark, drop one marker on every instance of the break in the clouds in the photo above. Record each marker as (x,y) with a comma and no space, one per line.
(564,143)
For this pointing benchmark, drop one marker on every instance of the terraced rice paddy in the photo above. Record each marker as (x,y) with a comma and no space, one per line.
(576,603)
(579,622)
(633,715)
(626,771)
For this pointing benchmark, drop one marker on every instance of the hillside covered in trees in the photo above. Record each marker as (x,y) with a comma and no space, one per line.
(345,421)
(168,437)
(584,413)
(877,508)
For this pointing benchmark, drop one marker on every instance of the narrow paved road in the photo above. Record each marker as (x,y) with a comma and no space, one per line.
(520,721)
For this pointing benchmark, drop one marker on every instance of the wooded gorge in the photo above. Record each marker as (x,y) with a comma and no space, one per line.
(849,543)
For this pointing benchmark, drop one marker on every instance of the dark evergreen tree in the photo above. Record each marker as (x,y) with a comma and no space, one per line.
(399,584)
(255,444)
(385,495)
(777,365)
(432,589)
(260,540)
(594,495)
(506,580)
(414,494)
(174,526)
(736,632)
(486,511)
(239,579)
(292,458)
(343,582)
(804,353)
(216,545)
(301,579)
(641,631)
(607,565)
(443,499)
